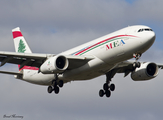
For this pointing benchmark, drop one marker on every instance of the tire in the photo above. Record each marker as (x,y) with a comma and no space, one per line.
(138,64)
(56,90)
(101,93)
(134,65)
(112,87)
(50,89)
(60,83)
(108,93)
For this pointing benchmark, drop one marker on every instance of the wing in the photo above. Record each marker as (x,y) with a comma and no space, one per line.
(28,59)
(126,67)
(160,66)
(78,61)
(36,60)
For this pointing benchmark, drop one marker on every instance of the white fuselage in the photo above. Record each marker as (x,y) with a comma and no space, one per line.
(108,51)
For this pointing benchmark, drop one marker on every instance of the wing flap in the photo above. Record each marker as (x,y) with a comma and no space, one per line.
(31,62)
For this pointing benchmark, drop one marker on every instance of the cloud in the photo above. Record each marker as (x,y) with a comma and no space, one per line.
(58,25)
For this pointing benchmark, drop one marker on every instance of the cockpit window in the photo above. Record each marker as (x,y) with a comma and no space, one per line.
(145,29)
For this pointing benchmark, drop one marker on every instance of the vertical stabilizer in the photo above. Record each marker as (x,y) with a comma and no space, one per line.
(20,42)
(21,46)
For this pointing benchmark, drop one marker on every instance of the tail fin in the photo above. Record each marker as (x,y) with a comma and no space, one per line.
(20,42)
(21,46)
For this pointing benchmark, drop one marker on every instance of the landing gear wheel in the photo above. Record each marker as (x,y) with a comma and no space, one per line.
(137,55)
(56,90)
(136,64)
(112,87)
(60,83)
(101,93)
(108,93)
(50,89)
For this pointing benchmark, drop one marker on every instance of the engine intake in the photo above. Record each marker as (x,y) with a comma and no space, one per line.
(147,71)
(56,64)
(60,62)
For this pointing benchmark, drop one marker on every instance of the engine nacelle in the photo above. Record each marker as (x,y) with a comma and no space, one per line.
(146,71)
(56,64)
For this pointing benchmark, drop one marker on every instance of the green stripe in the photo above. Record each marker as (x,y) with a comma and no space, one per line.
(101,45)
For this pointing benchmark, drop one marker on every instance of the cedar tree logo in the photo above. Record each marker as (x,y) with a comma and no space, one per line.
(22,46)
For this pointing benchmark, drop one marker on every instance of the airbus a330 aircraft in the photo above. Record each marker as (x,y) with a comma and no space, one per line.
(106,55)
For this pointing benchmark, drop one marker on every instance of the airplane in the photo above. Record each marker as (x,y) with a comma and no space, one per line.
(106,55)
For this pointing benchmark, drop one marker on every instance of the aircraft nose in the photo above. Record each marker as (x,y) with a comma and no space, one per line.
(152,36)
(149,38)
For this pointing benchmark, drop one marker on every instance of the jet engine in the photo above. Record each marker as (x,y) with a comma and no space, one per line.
(146,71)
(56,64)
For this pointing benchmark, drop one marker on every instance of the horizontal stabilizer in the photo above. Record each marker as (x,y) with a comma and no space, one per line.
(11,73)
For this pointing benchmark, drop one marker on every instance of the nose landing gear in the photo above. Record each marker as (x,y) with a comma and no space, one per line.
(137,56)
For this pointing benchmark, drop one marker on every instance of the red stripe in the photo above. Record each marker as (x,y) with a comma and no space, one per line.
(17,34)
(103,41)
(28,67)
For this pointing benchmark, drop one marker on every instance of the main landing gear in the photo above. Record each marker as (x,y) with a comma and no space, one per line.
(107,87)
(56,85)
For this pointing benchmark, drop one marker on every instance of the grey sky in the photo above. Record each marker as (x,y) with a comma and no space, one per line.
(53,26)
